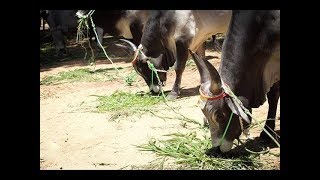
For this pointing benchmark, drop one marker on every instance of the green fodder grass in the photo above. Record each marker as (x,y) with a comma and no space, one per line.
(127,103)
(129,79)
(83,75)
(191,152)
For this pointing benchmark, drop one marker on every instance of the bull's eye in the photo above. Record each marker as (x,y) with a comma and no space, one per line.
(219,116)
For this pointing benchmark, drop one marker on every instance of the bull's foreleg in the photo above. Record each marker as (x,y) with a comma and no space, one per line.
(182,56)
(59,42)
(273,97)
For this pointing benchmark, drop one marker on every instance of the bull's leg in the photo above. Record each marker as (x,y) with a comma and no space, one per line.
(273,97)
(182,56)
(59,42)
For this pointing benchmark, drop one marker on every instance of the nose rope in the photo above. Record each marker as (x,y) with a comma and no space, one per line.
(225,131)
(150,65)
(155,71)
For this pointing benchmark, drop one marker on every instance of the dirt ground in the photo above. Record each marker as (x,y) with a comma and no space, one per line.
(72,136)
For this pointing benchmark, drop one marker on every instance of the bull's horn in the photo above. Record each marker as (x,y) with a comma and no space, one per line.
(133,46)
(207,73)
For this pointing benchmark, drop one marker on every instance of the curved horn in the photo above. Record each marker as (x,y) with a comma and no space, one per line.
(142,56)
(207,73)
(133,46)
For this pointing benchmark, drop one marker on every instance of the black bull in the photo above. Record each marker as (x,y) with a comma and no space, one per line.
(250,66)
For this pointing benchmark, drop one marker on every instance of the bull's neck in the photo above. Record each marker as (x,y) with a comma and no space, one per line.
(241,62)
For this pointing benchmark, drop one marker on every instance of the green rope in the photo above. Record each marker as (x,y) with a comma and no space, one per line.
(104,51)
(154,70)
(84,20)
(225,131)
(152,77)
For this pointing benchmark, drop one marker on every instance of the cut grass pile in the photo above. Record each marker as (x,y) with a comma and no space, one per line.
(127,103)
(193,153)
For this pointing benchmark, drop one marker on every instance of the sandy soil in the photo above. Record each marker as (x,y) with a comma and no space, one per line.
(72,136)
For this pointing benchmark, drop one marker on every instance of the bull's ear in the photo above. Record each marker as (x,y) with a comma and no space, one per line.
(236,109)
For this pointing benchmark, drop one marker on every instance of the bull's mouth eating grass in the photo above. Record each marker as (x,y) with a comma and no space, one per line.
(83,75)
(192,152)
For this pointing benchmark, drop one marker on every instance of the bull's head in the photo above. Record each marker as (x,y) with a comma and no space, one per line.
(141,64)
(217,107)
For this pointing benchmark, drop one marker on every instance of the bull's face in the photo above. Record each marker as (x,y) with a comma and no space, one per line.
(141,64)
(217,114)
(142,68)
(216,106)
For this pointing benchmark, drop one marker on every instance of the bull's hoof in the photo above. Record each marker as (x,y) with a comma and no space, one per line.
(172,96)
